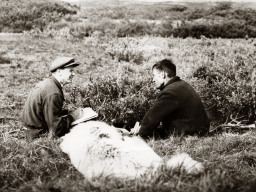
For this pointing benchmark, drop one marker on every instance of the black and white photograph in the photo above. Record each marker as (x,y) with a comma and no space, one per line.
(128,96)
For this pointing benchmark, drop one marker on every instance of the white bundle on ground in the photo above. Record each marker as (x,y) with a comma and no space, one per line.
(97,149)
(184,161)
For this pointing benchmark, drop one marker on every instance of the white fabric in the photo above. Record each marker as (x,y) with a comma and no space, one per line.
(97,149)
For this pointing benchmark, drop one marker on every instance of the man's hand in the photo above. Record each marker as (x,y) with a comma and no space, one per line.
(136,129)
(77,113)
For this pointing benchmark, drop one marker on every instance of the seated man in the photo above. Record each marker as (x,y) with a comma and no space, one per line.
(43,109)
(178,108)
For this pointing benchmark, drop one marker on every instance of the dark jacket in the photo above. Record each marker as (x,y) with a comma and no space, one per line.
(43,108)
(180,110)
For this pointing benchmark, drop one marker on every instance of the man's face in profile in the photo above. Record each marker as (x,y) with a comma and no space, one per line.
(158,78)
(67,74)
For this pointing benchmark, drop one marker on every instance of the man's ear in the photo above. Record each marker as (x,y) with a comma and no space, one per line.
(164,74)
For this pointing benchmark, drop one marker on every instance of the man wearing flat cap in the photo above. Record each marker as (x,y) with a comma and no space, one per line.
(43,111)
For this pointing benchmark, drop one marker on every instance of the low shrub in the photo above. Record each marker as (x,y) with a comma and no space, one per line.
(227,29)
(178,8)
(4,60)
(125,51)
(135,28)
(124,99)
(31,14)
(225,80)
(230,86)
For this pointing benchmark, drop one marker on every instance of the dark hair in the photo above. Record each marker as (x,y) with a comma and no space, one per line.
(166,65)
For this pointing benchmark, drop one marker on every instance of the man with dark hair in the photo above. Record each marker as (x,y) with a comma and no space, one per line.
(178,108)
(43,109)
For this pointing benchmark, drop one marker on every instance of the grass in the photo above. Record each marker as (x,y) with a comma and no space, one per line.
(41,166)
(229,158)
(121,19)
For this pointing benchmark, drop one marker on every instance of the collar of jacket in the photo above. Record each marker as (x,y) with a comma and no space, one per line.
(57,83)
(174,79)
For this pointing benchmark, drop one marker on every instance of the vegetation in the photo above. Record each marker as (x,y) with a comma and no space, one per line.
(115,80)
(41,166)
(224,19)
(224,79)
(222,71)
(31,14)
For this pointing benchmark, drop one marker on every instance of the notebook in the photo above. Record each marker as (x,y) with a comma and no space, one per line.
(87,114)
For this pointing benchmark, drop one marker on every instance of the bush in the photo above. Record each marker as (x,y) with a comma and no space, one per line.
(128,28)
(122,99)
(4,60)
(228,29)
(196,14)
(221,71)
(177,8)
(230,91)
(223,6)
(31,14)
(229,85)
(126,51)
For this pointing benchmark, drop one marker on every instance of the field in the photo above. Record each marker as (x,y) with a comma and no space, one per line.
(115,80)
(118,73)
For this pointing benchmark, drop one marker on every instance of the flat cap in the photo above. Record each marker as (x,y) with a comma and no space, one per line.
(63,62)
